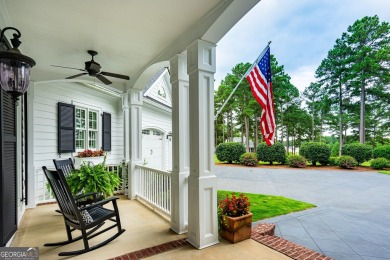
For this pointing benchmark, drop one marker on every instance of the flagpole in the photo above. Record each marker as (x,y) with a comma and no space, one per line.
(251,67)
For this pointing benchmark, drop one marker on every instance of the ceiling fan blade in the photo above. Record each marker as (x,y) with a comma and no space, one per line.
(66,67)
(115,75)
(103,79)
(78,75)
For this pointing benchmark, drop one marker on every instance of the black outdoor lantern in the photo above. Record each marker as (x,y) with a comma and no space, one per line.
(14,67)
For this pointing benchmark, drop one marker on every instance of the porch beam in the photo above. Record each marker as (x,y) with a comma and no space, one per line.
(202,183)
(180,143)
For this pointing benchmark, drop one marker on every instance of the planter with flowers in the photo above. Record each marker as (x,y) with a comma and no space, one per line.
(235,220)
(89,156)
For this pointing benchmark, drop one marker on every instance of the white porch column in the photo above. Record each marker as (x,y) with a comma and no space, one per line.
(134,143)
(202,183)
(180,143)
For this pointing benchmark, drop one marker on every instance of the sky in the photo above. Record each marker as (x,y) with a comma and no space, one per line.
(302,32)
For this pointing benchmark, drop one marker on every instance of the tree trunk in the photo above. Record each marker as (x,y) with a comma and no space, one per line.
(256,133)
(362,128)
(247,134)
(287,141)
(223,130)
(231,126)
(340,118)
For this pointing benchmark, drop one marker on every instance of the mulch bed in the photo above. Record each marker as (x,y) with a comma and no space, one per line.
(309,167)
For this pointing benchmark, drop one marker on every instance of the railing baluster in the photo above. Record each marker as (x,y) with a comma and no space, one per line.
(154,188)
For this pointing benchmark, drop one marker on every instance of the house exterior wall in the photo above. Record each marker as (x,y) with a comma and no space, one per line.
(44,99)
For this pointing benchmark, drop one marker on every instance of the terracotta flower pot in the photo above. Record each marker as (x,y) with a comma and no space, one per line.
(236,229)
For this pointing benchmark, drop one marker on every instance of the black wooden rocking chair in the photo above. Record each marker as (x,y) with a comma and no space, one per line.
(87,219)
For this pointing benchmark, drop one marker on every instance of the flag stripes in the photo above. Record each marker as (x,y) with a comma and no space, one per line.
(259,79)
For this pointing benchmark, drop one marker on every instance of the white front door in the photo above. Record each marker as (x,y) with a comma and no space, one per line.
(152,148)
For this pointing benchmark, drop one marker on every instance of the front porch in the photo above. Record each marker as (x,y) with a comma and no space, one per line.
(144,229)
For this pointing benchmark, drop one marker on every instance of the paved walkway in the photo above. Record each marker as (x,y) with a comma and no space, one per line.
(352,217)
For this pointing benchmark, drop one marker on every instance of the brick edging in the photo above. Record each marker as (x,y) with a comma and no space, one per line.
(264,234)
(154,250)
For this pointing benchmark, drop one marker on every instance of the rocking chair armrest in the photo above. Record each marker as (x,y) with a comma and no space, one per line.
(101,202)
(81,196)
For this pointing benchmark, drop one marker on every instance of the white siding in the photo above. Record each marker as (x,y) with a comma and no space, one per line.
(44,124)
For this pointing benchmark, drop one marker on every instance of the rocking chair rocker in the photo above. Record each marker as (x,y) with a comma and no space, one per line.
(87,219)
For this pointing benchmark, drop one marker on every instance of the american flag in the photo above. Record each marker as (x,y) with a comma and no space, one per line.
(261,85)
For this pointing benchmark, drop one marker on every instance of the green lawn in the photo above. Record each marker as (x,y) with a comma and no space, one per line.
(384,172)
(268,206)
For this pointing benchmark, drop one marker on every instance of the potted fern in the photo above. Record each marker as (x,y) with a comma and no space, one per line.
(93,178)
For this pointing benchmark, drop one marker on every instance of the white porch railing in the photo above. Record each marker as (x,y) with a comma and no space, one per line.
(121,171)
(154,188)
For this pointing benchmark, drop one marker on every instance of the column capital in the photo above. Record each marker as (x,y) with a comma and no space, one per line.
(178,65)
(135,97)
(201,56)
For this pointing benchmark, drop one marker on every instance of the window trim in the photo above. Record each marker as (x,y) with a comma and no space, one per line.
(98,110)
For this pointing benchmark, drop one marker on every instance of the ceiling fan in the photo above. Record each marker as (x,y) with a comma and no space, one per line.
(92,68)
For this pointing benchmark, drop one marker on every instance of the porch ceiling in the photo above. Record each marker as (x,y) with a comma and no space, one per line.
(129,35)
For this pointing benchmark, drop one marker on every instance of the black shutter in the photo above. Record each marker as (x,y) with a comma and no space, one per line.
(8,188)
(66,128)
(106,132)
(8,195)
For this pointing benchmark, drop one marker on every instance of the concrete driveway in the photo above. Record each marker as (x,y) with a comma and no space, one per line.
(352,217)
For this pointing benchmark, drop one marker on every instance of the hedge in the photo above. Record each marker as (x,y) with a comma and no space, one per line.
(379,163)
(382,151)
(297,161)
(361,152)
(229,152)
(249,159)
(271,154)
(315,152)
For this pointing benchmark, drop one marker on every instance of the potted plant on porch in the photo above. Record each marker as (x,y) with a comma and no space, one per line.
(235,220)
(93,178)
(88,155)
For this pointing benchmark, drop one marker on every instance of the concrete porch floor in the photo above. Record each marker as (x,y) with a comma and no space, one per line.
(144,229)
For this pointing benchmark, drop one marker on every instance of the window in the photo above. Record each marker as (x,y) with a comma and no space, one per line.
(86,129)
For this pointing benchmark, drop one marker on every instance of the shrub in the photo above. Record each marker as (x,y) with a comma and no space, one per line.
(315,152)
(379,163)
(297,161)
(334,161)
(335,149)
(347,162)
(361,152)
(382,151)
(229,152)
(249,159)
(273,153)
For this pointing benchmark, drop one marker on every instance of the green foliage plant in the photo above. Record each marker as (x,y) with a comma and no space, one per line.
(334,161)
(233,207)
(93,178)
(297,161)
(361,152)
(271,154)
(379,163)
(229,152)
(382,151)
(249,159)
(347,162)
(315,152)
